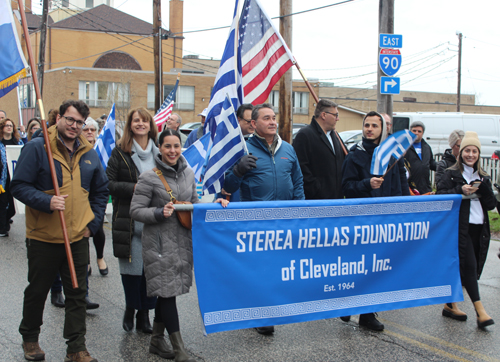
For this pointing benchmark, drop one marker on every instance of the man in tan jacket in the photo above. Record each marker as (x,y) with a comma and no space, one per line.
(84,194)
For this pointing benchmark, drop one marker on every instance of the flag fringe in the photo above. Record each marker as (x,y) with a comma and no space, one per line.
(13,79)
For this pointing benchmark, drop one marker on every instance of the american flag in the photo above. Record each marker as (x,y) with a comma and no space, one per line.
(264,54)
(165,110)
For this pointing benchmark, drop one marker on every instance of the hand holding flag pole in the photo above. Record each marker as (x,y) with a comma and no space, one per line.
(53,175)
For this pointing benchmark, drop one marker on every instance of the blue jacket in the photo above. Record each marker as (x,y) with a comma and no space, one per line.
(32,185)
(276,177)
(356,176)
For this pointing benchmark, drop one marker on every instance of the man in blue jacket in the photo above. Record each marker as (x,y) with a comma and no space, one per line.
(270,171)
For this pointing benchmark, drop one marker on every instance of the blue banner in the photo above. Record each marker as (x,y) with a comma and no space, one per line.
(269,263)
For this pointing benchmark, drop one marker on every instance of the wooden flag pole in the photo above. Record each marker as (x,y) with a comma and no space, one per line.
(53,175)
(316,99)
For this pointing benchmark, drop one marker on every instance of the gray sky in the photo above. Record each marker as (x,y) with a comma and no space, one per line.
(339,44)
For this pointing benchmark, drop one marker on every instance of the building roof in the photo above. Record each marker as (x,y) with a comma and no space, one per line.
(107,19)
(34,21)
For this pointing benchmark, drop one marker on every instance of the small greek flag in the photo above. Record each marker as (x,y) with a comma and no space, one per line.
(196,154)
(394,146)
(106,140)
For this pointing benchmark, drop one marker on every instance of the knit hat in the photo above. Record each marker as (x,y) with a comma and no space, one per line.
(417,124)
(470,139)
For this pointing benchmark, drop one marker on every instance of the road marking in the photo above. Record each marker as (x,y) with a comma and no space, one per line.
(426,346)
(440,341)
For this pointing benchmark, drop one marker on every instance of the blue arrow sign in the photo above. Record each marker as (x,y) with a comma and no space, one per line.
(390,61)
(390,41)
(390,85)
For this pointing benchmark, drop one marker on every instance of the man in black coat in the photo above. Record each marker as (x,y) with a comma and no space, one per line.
(421,161)
(321,153)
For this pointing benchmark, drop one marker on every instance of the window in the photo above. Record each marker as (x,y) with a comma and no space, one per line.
(184,98)
(27,95)
(103,94)
(300,103)
(89,4)
(274,99)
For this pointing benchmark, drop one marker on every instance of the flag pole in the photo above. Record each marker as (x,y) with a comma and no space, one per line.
(69,255)
(316,99)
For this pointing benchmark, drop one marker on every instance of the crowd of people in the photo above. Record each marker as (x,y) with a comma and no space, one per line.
(146,175)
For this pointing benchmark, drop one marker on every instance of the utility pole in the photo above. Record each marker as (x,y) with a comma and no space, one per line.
(385,26)
(43,40)
(285,98)
(459,69)
(157,53)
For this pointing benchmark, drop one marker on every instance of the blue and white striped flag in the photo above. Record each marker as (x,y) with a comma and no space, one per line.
(13,65)
(227,81)
(196,155)
(228,147)
(393,146)
(106,140)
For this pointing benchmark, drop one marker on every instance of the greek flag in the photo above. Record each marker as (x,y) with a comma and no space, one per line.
(106,140)
(394,146)
(13,65)
(227,81)
(228,147)
(196,155)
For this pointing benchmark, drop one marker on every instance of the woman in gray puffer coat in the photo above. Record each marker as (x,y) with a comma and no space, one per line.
(166,245)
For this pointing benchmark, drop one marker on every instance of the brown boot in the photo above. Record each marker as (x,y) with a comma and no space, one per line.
(33,352)
(179,350)
(82,356)
(158,343)
(483,319)
(451,310)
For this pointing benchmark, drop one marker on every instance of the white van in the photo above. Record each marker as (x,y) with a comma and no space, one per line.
(438,126)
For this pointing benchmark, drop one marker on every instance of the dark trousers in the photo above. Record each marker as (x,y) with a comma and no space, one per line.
(468,270)
(136,296)
(4,218)
(45,260)
(166,313)
(99,240)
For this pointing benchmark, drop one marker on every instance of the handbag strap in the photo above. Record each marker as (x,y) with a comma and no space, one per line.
(165,183)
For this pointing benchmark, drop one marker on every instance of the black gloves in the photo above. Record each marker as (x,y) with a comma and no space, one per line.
(246,163)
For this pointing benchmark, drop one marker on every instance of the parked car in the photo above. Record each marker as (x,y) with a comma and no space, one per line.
(188,127)
(296,128)
(351,137)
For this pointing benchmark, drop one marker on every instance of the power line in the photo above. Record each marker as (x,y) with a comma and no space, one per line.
(276,17)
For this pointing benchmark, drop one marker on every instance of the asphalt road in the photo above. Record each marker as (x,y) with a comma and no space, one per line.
(415,334)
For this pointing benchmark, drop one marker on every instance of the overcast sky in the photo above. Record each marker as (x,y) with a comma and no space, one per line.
(339,44)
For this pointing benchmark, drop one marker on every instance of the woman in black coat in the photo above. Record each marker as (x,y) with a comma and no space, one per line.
(466,177)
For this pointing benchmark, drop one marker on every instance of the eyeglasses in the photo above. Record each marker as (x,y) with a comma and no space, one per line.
(246,120)
(70,121)
(89,129)
(8,125)
(336,115)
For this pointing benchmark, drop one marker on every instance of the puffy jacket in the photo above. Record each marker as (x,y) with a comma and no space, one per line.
(356,175)
(276,177)
(82,178)
(420,169)
(167,248)
(123,175)
(451,183)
